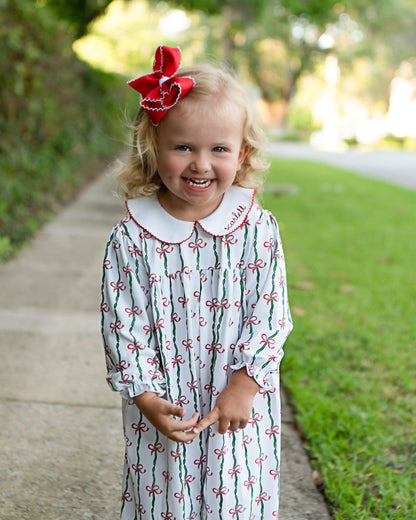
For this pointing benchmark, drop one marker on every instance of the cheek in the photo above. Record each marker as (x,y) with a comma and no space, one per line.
(170,165)
(164,167)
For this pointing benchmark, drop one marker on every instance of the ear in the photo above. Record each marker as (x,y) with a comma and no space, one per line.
(243,154)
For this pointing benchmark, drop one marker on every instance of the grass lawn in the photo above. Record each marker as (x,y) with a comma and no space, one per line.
(350,364)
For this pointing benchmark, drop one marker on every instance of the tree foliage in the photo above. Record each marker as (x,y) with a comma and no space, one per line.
(56,118)
(78,13)
(217,6)
(280,40)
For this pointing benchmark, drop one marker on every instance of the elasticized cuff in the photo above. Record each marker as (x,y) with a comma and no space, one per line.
(134,387)
(141,388)
(262,376)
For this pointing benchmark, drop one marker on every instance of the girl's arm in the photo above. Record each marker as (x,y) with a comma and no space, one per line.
(259,350)
(267,319)
(130,342)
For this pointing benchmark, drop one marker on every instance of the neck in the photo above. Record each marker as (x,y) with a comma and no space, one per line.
(182,211)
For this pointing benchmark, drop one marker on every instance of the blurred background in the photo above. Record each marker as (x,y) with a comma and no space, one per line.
(333,73)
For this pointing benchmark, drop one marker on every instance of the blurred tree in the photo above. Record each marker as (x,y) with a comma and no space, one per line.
(383,37)
(125,39)
(275,42)
(236,16)
(272,42)
(78,13)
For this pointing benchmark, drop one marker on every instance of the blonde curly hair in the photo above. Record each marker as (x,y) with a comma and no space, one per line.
(139,175)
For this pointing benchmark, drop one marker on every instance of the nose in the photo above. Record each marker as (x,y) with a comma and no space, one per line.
(200,163)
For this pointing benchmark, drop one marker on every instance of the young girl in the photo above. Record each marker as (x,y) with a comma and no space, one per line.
(194,305)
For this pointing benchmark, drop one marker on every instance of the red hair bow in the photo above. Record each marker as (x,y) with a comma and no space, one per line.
(161,90)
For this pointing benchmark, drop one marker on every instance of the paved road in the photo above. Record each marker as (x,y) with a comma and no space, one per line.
(61,442)
(396,167)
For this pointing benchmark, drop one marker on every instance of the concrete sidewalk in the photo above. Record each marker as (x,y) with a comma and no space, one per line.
(61,442)
(392,166)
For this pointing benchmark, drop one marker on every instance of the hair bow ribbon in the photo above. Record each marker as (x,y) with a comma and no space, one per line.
(161,90)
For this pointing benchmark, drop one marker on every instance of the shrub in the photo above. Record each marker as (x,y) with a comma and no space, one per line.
(300,123)
(58,118)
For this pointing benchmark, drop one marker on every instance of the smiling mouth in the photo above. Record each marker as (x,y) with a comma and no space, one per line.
(200,183)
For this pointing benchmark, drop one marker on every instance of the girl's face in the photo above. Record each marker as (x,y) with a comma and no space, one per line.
(199,154)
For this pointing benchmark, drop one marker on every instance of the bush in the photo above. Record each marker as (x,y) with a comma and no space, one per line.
(300,123)
(58,118)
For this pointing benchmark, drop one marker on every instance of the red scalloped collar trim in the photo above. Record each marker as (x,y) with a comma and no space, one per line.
(230,215)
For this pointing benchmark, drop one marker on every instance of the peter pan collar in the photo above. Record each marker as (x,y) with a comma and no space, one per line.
(229,216)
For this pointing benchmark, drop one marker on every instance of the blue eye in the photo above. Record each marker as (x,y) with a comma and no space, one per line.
(219,149)
(183,148)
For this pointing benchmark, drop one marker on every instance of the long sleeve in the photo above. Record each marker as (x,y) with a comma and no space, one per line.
(267,319)
(132,354)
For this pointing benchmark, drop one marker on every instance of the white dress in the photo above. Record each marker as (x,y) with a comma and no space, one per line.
(183,305)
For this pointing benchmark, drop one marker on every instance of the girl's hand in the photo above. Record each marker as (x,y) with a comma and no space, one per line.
(234,405)
(162,413)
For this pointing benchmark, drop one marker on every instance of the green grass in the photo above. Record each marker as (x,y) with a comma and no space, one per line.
(350,364)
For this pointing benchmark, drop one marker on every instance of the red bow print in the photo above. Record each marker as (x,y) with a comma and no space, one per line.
(153,489)
(138,468)
(274,473)
(273,431)
(256,418)
(221,453)
(189,479)
(261,459)
(140,428)
(175,454)
(222,491)
(118,287)
(235,470)
(262,498)
(166,475)
(116,326)
(198,462)
(181,400)
(161,90)
(238,509)
(271,297)
(156,447)
(179,496)
(260,264)
(250,482)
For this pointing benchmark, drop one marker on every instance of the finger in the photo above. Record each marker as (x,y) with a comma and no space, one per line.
(211,418)
(173,409)
(223,425)
(185,433)
(194,417)
(234,426)
(189,423)
(182,436)
(243,424)
(180,413)
(183,426)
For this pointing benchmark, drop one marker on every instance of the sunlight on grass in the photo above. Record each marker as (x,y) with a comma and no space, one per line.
(350,363)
